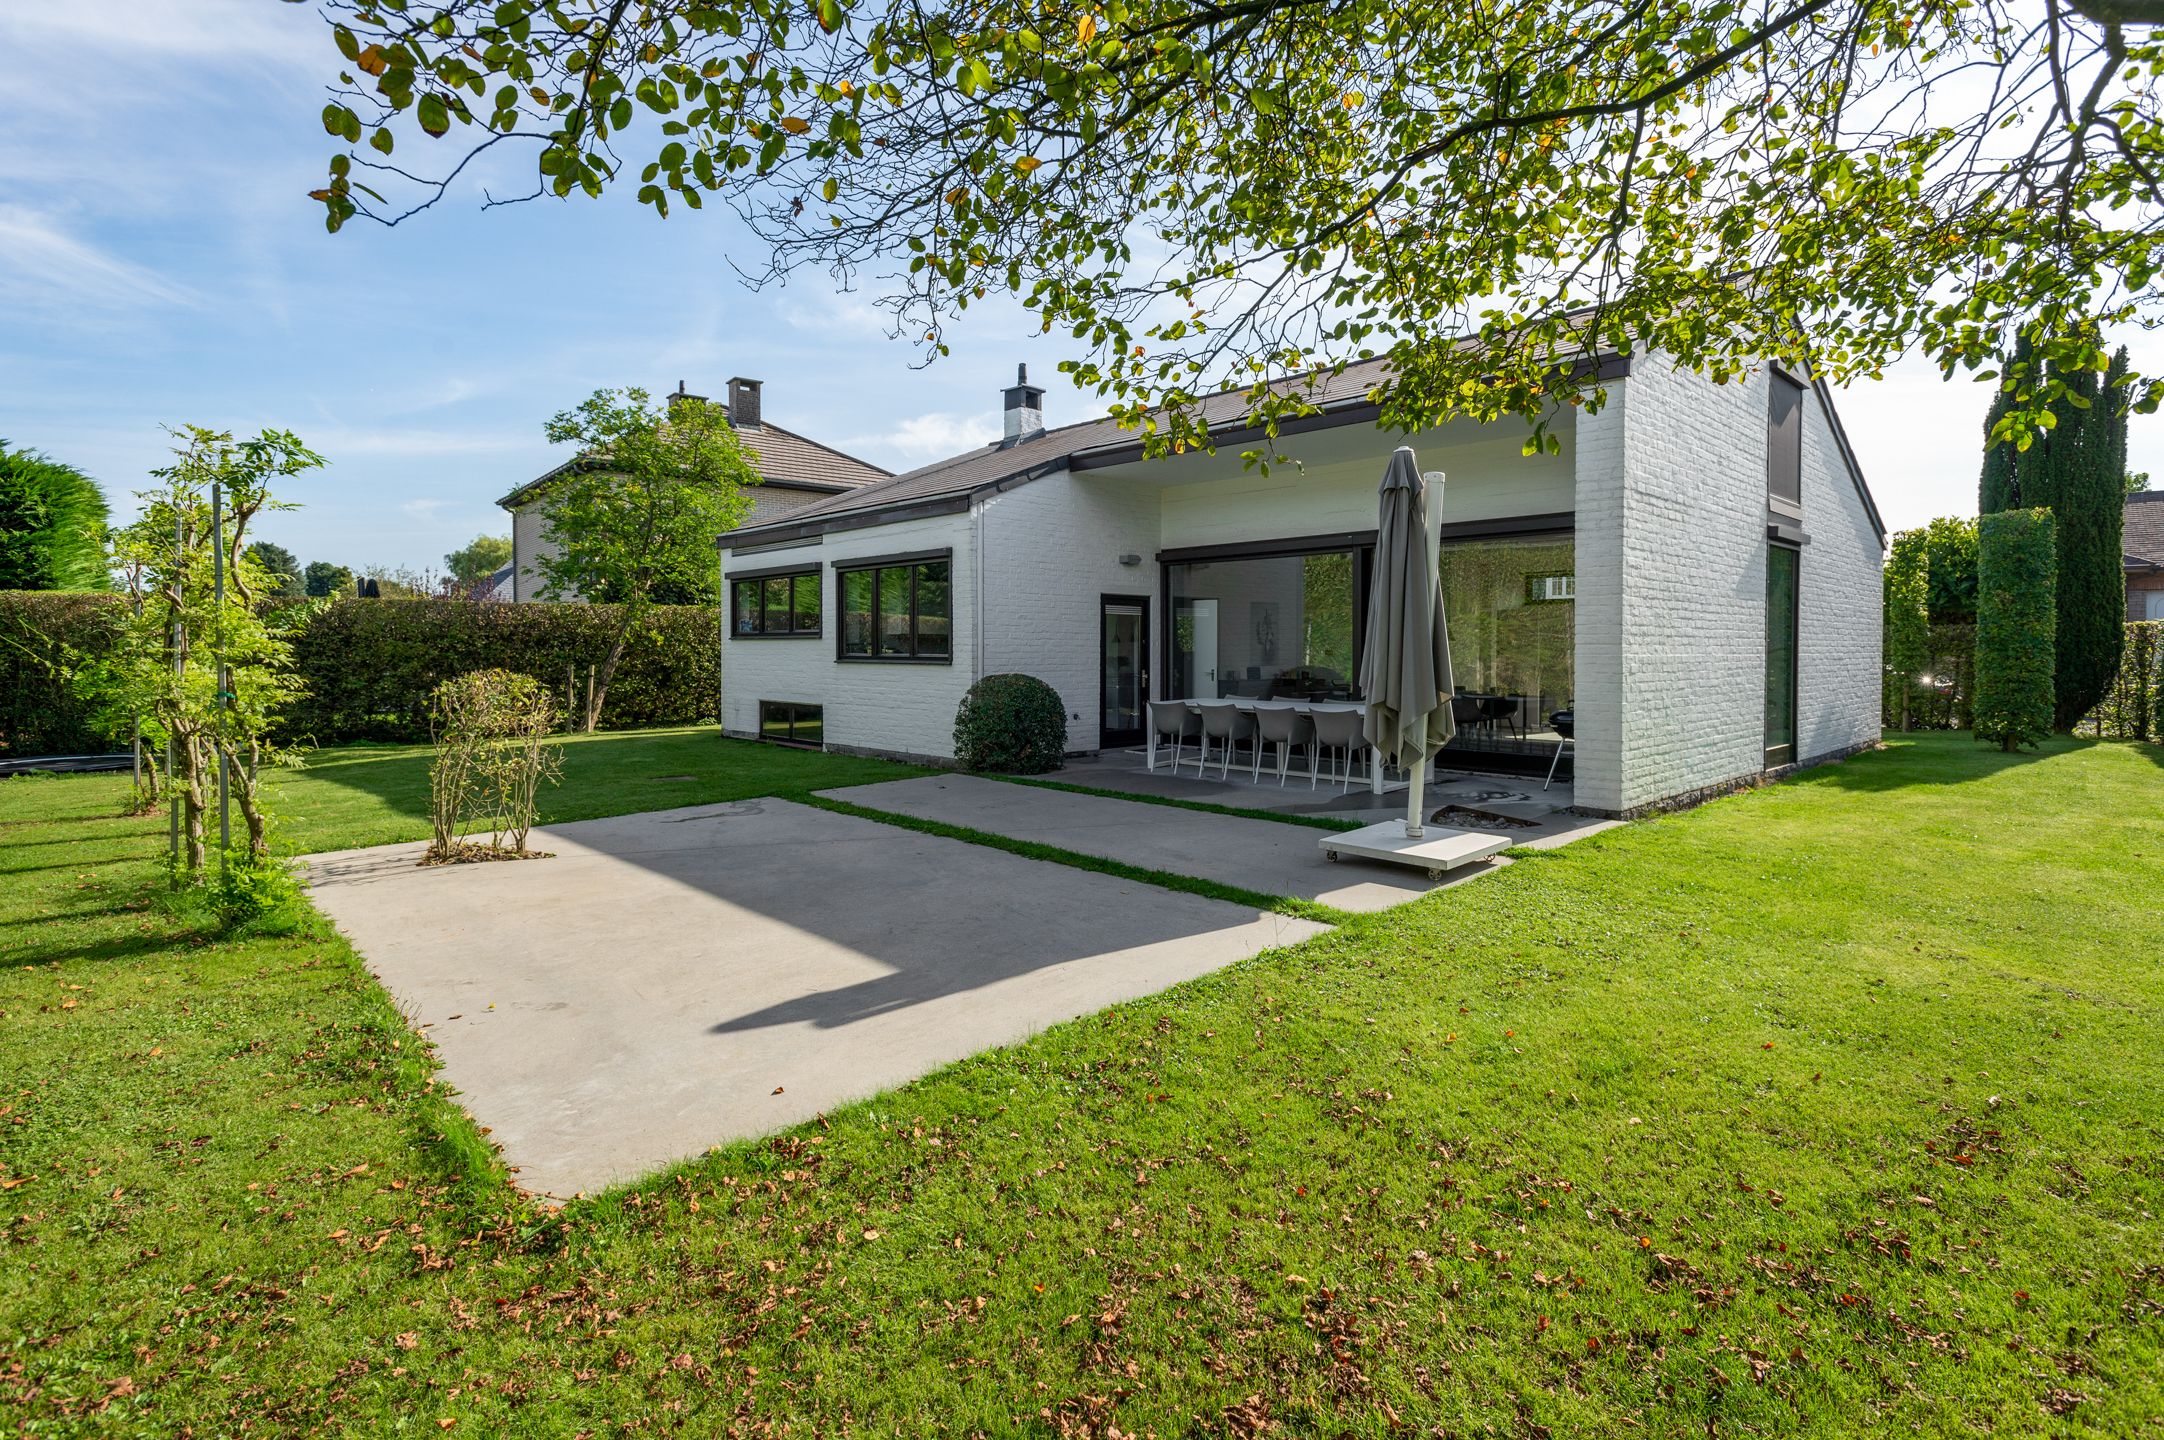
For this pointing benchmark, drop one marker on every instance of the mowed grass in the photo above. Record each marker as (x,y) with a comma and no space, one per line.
(1832,1108)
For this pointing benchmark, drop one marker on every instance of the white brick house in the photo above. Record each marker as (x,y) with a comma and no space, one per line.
(794,474)
(1693,581)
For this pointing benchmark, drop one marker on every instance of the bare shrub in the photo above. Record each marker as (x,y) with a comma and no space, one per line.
(491,730)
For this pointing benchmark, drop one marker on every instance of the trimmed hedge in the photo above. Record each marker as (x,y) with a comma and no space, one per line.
(1014,724)
(43,635)
(2133,708)
(2017,572)
(369,665)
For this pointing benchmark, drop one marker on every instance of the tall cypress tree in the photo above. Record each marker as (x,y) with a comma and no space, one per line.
(2090,506)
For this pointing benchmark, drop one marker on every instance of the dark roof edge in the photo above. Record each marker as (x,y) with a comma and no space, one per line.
(779,533)
(1848,455)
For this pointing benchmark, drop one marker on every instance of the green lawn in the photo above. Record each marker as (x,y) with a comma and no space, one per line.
(1830,1108)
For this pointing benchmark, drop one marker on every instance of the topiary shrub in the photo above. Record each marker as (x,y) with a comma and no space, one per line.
(1015,724)
(2016,627)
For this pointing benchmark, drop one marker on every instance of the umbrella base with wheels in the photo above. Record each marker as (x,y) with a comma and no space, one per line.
(1438,851)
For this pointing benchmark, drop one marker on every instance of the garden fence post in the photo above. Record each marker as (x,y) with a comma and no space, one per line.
(217,600)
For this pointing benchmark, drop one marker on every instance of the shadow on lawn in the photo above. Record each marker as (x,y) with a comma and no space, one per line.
(1930,759)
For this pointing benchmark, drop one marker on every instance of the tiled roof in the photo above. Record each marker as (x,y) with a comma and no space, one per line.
(785,458)
(990,464)
(2144,539)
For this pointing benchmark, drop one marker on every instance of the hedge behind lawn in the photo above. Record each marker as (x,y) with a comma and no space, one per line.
(369,664)
(41,634)
(2017,572)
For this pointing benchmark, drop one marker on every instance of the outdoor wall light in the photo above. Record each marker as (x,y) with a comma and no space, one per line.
(1130,559)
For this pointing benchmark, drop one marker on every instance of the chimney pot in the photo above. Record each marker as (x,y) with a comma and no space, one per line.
(743,402)
(1025,409)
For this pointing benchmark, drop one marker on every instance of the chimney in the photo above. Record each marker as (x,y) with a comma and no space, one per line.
(1025,410)
(681,395)
(744,403)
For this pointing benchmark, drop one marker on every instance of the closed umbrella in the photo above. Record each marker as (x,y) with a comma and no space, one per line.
(1405,671)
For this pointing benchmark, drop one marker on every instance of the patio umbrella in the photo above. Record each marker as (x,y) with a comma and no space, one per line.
(1405,670)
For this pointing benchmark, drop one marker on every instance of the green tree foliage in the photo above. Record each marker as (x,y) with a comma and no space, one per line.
(1906,646)
(480,558)
(1999,487)
(2016,622)
(638,521)
(2133,709)
(1950,566)
(1317,183)
(2074,465)
(52,525)
(281,569)
(326,580)
(2137,481)
(208,675)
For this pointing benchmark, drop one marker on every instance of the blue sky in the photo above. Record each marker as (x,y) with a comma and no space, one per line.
(160,264)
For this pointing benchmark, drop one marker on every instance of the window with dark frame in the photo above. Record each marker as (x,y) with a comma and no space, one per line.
(787,722)
(1784,577)
(898,610)
(775,605)
(1784,444)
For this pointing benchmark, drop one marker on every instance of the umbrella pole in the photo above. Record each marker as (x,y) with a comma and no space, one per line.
(1413,806)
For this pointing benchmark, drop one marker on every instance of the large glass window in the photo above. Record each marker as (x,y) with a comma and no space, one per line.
(898,612)
(1784,443)
(1511,606)
(775,604)
(1783,571)
(1275,626)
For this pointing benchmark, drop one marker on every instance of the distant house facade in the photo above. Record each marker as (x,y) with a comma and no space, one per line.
(2143,545)
(1691,585)
(794,473)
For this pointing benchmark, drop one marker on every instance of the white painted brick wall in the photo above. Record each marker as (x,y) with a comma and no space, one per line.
(902,709)
(1688,540)
(1051,553)
(1597,755)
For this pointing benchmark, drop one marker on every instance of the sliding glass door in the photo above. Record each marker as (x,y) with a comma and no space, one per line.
(1511,604)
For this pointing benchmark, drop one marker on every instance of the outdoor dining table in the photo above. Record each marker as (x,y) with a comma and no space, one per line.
(1375,759)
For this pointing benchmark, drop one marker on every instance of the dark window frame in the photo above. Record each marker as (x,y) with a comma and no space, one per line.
(1786,753)
(799,710)
(1783,447)
(914,562)
(757,579)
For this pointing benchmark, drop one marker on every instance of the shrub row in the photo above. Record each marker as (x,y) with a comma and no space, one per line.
(43,634)
(369,665)
(2133,708)
(2017,573)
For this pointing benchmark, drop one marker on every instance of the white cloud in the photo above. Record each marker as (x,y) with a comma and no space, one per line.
(924,438)
(47,268)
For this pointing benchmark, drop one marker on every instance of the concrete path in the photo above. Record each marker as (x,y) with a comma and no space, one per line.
(1266,855)
(678,979)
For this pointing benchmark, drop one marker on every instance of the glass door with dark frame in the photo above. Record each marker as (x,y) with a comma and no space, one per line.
(1123,670)
(1783,567)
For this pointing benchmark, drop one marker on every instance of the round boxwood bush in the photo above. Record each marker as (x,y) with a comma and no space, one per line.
(1010,723)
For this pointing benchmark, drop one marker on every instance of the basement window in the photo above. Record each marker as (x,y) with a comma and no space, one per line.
(787,722)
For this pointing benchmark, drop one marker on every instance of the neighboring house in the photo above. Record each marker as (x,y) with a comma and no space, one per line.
(795,473)
(500,585)
(1695,576)
(2144,548)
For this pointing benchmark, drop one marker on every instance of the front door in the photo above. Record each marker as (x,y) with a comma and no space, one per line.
(1123,670)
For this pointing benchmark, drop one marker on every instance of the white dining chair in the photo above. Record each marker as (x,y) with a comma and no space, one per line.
(1342,732)
(1227,724)
(1176,721)
(1284,727)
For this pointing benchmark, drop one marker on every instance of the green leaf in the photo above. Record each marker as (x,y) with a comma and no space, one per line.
(433,114)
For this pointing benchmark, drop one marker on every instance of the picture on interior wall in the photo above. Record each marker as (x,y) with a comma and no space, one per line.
(1262,621)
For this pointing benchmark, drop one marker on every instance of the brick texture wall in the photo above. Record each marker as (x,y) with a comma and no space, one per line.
(1672,587)
(897,709)
(1051,553)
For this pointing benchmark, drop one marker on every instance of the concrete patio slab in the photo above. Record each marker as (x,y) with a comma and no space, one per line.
(678,979)
(1266,855)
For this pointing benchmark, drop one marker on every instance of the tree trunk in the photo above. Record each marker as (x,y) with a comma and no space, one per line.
(605,674)
(243,772)
(189,758)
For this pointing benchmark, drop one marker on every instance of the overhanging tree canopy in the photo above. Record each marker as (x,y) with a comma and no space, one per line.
(1213,191)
